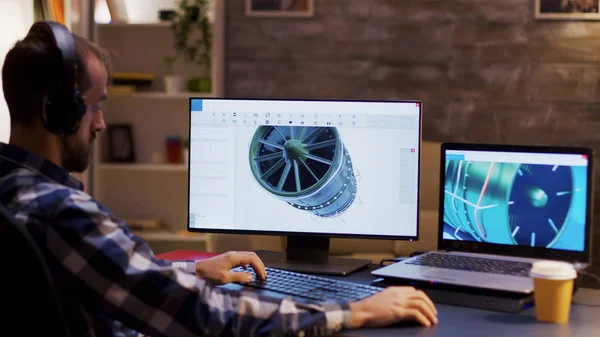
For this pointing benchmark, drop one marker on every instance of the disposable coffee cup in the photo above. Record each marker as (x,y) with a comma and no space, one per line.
(553,290)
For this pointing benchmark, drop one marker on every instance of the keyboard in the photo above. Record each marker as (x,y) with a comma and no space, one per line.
(470,263)
(309,287)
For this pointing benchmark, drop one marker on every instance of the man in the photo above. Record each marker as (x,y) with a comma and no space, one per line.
(108,279)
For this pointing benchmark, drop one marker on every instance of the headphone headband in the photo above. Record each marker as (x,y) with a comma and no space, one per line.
(64,106)
(62,39)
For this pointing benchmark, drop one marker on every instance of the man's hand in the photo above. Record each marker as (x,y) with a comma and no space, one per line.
(392,305)
(218,268)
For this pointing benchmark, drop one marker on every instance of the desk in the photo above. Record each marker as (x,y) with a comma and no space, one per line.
(467,322)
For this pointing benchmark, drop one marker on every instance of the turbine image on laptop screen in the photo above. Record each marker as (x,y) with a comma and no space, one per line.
(293,166)
(528,199)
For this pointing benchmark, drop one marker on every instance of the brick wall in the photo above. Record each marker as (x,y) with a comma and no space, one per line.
(487,71)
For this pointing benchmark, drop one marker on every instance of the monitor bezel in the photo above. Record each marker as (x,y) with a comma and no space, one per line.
(319,234)
(513,250)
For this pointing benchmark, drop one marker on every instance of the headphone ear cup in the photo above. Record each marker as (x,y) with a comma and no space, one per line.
(78,109)
(81,108)
(76,112)
(50,114)
(61,115)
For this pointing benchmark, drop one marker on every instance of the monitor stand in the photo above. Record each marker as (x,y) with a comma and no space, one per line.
(310,254)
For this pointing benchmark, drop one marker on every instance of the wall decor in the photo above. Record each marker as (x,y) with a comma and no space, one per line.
(280,8)
(567,9)
(120,143)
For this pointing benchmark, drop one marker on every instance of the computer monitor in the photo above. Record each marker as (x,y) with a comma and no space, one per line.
(309,170)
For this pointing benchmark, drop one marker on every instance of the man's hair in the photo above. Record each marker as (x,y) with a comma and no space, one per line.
(34,65)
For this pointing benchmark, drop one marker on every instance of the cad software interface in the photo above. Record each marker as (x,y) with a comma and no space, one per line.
(529,199)
(335,167)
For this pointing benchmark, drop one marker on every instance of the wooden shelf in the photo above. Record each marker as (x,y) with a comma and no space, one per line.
(164,24)
(135,25)
(143,167)
(169,236)
(151,190)
(161,95)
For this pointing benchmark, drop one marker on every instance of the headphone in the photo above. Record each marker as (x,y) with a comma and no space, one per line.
(63,104)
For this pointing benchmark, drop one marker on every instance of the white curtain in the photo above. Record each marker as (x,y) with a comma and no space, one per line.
(16,16)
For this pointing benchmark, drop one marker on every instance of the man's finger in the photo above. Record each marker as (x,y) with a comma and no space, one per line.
(424,308)
(256,263)
(240,277)
(261,266)
(421,295)
(418,316)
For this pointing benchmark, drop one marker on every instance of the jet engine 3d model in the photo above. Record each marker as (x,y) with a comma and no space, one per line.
(307,167)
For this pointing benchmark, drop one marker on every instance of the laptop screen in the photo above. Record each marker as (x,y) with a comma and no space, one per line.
(515,197)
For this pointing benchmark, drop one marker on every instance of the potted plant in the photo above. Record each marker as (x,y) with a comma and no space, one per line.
(173,83)
(192,32)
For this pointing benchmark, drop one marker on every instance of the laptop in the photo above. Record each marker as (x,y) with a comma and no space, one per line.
(503,207)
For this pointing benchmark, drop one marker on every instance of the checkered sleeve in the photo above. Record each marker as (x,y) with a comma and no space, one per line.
(126,283)
(187,266)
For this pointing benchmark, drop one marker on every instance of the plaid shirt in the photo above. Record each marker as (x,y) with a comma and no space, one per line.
(107,277)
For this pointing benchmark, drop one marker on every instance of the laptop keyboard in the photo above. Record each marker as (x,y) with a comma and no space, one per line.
(472,264)
(299,285)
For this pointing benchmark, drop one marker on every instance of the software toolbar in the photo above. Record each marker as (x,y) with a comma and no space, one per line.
(306,119)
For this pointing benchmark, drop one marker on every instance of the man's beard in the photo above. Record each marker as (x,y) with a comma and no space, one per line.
(75,154)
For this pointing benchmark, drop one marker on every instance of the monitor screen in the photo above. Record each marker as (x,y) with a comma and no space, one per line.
(516,198)
(337,168)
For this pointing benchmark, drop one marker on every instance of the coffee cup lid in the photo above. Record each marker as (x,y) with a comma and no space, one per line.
(553,270)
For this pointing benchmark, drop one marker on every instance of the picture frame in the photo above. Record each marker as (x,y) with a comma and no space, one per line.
(280,8)
(121,147)
(567,9)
